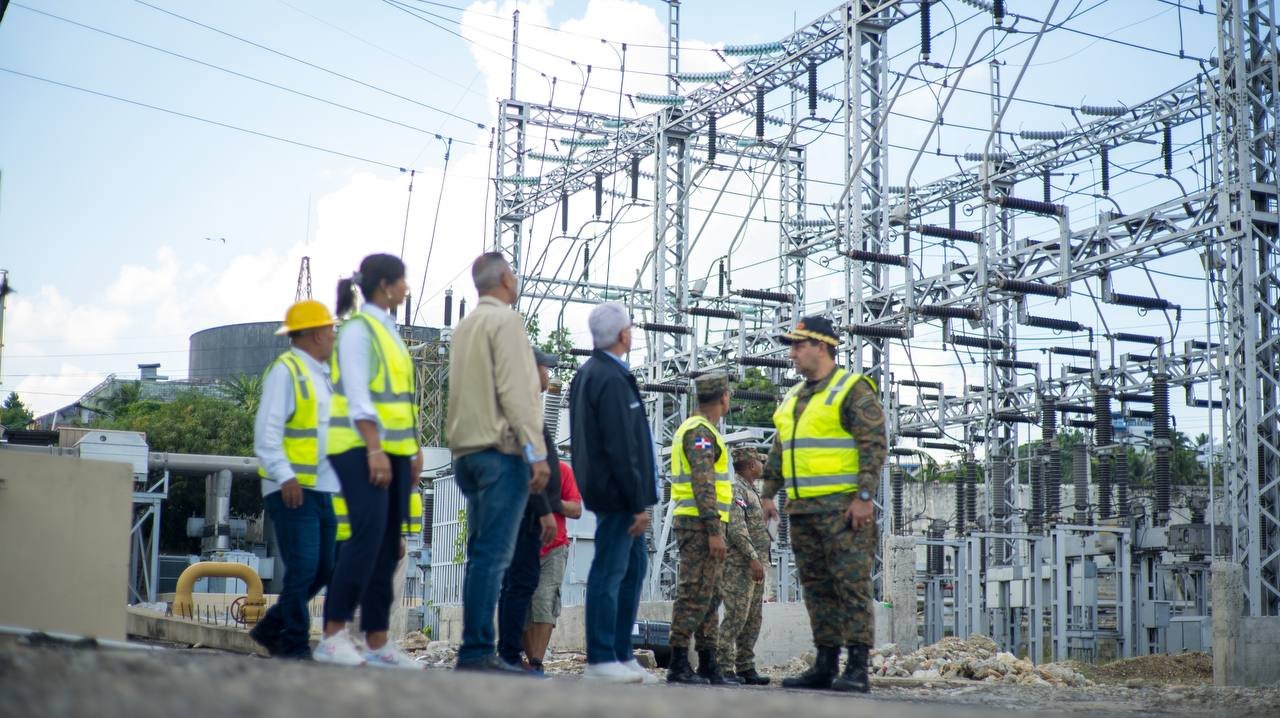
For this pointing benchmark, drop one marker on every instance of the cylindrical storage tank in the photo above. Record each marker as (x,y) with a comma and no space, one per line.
(226,352)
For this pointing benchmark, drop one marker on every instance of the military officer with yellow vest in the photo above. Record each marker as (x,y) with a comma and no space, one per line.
(372,445)
(827,454)
(701,490)
(297,480)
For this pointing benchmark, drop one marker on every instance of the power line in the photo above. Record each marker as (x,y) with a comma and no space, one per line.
(335,73)
(241,75)
(379,48)
(206,120)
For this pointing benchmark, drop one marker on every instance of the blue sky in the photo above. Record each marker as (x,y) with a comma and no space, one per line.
(105,206)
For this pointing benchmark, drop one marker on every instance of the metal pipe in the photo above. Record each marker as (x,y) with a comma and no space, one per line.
(254,604)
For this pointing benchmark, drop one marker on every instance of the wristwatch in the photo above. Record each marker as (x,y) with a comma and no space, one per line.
(864,495)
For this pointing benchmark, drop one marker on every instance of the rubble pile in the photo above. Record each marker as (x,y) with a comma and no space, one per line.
(976,658)
(443,655)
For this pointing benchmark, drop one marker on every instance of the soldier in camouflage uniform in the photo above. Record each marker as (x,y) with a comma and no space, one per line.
(701,490)
(827,454)
(742,584)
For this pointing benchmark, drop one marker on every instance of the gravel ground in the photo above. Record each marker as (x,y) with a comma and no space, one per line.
(55,681)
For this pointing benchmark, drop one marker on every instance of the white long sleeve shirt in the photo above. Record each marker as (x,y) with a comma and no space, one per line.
(275,408)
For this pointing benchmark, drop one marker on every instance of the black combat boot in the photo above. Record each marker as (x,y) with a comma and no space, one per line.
(680,671)
(751,678)
(854,678)
(732,677)
(823,671)
(710,670)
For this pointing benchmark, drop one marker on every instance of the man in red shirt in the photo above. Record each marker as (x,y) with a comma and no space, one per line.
(546,599)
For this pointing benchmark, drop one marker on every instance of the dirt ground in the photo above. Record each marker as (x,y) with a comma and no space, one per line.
(59,680)
(1193,669)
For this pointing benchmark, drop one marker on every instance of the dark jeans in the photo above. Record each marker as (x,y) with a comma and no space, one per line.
(613,588)
(367,564)
(518,586)
(497,489)
(306,539)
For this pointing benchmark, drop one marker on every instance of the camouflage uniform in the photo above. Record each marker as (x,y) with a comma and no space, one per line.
(693,613)
(748,541)
(834,561)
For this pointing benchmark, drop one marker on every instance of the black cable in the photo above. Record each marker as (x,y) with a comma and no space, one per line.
(335,73)
(231,72)
(206,120)
(435,223)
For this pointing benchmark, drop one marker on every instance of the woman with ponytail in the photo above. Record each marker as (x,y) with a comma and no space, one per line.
(372,446)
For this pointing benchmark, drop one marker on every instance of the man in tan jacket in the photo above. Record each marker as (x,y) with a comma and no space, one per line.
(494,426)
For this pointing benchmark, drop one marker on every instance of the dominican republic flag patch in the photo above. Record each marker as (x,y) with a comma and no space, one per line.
(702,442)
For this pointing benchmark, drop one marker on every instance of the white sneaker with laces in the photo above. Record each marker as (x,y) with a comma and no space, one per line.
(611,673)
(391,657)
(634,666)
(337,649)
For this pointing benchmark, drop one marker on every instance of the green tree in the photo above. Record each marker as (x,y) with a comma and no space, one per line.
(755,413)
(193,424)
(123,396)
(14,414)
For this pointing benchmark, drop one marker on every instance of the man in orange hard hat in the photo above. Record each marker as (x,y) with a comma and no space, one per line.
(298,483)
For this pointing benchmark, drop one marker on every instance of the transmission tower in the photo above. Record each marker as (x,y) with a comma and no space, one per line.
(304,280)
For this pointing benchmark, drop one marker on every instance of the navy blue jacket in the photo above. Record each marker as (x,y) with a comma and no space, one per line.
(612,447)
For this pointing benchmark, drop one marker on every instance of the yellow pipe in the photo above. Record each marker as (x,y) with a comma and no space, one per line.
(254,605)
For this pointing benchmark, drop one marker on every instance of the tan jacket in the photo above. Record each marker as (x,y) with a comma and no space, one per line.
(494,390)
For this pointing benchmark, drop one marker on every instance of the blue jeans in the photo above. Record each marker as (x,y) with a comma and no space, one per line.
(613,588)
(497,489)
(518,586)
(306,538)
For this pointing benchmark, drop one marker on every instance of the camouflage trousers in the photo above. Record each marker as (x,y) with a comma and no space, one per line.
(740,628)
(693,615)
(835,563)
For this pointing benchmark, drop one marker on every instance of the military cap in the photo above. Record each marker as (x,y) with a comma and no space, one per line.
(745,453)
(816,328)
(711,384)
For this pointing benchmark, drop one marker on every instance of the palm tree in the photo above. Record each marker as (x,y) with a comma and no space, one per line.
(245,390)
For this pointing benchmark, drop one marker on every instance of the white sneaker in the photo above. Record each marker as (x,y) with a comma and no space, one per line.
(391,657)
(611,673)
(634,666)
(337,649)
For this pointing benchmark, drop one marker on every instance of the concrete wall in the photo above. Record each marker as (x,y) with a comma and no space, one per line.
(1244,647)
(784,629)
(64,526)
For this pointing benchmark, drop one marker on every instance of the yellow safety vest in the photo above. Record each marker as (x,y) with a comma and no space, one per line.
(682,473)
(819,457)
(412,526)
(392,390)
(301,429)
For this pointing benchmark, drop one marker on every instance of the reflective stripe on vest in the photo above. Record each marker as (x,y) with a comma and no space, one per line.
(412,526)
(391,388)
(819,457)
(682,473)
(344,520)
(301,433)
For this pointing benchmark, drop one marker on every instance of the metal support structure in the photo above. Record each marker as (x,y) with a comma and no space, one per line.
(1247,118)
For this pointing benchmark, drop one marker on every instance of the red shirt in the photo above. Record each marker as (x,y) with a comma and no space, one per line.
(568,492)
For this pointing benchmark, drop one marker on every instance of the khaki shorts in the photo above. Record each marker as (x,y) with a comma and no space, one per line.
(546,600)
